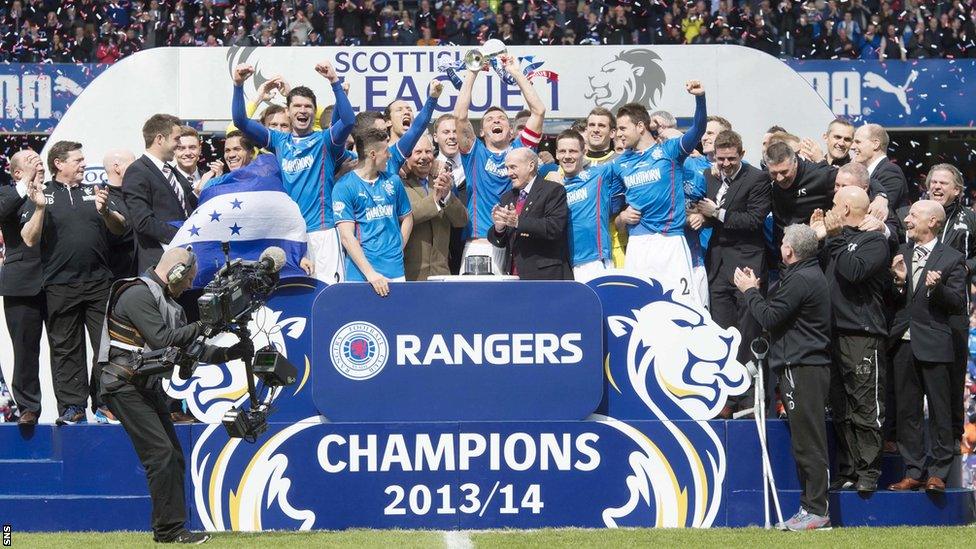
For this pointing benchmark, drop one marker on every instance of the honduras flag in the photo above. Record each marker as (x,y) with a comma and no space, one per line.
(249,209)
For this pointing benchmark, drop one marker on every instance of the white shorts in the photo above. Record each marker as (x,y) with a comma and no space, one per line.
(325,252)
(699,283)
(483,247)
(667,260)
(591,269)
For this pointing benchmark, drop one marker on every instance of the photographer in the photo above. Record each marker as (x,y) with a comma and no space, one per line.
(142,316)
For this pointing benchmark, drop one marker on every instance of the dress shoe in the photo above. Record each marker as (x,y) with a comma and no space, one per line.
(27,418)
(181,418)
(935,485)
(841,483)
(906,484)
(865,486)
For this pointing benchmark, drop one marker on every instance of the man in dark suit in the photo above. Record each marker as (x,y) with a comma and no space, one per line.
(932,281)
(869,149)
(530,222)
(736,205)
(122,254)
(154,190)
(20,286)
(737,202)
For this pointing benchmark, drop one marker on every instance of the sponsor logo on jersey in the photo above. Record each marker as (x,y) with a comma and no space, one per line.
(377,212)
(642,178)
(295,165)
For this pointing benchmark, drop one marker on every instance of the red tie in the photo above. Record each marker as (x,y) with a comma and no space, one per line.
(518,210)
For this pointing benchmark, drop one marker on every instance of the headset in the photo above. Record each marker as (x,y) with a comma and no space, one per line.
(180,271)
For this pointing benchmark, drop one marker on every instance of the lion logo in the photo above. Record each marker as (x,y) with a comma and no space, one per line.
(693,359)
(633,76)
(667,361)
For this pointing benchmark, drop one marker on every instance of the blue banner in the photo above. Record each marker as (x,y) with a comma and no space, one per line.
(927,93)
(34,97)
(457,351)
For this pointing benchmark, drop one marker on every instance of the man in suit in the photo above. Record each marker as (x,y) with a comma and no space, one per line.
(530,222)
(736,204)
(869,149)
(436,210)
(945,186)
(23,300)
(155,192)
(932,288)
(122,253)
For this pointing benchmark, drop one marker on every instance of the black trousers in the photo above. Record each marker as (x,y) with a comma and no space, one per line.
(72,308)
(857,405)
(145,418)
(728,308)
(957,378)
(805,397)
(25,320)
(915,380)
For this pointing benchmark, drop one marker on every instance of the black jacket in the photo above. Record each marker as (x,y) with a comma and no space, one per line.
(151,205)
(890,176)
(797,316)
(959,233)
(122,248)
(857,267)
(539,246)
(21,271)
(738,241)
(812,188)
(926,311)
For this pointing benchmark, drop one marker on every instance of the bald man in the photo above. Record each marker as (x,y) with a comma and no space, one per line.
(20,285)
(122,257)
(870,149)
(857,271)
(143,316)
(530,222)
(931,278)
(854,174)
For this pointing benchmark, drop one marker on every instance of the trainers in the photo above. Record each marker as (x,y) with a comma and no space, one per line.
(72,415)
(803,521)
(841,483)
(104,416)
(186,536)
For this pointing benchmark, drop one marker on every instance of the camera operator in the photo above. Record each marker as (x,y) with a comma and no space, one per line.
(142,316)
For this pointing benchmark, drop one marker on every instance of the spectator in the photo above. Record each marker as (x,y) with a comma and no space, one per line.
(892,46)
(427,39)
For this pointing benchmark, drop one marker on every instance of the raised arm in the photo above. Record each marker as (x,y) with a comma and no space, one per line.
(465,130)
(252,129)
(693,136)
(340,130)
(537,109)
(419,125)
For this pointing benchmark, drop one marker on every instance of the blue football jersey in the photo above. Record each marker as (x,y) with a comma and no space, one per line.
(376,209)
(487,180)
(308,166)
(592,196)
(695,190)
(654,182)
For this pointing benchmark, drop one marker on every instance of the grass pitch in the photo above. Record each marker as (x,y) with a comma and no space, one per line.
(750,538)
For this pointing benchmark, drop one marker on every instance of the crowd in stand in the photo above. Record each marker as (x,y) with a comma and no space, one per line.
(97,31)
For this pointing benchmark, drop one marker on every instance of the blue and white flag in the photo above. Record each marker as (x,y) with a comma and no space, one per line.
(249,209)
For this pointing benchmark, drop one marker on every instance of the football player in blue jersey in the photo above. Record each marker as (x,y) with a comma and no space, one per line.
(373,216)
(308,161)
(654,180)
(483,159)
(593,194)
